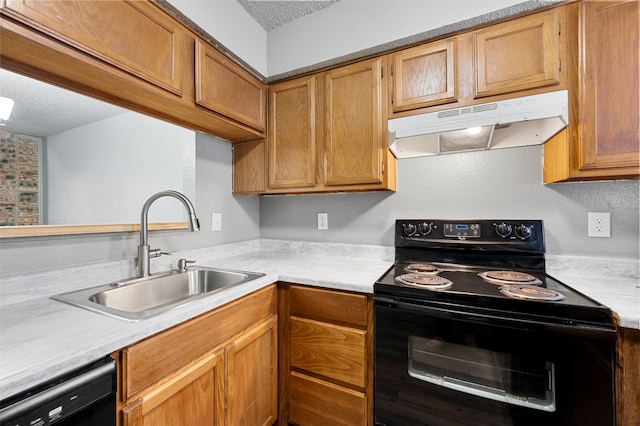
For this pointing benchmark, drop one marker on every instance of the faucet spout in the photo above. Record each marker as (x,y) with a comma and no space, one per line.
(143,248)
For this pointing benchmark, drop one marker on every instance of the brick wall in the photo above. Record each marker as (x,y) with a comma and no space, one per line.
(18,179)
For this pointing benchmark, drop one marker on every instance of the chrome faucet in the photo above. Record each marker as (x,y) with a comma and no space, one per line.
(144,252)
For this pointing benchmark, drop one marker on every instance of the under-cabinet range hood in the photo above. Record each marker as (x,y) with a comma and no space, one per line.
(530,120)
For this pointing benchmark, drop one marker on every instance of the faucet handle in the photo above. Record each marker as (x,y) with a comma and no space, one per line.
(182,264)
(157,253)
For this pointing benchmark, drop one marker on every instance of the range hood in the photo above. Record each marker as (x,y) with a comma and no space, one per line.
(530,120)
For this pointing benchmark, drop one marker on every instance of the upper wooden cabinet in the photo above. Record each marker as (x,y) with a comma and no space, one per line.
(249,161)
(292,134)
(354,125)
(424,75)
(136,55)
(603,138)
(327,132)
(104,29)
(518,55)
(224,87)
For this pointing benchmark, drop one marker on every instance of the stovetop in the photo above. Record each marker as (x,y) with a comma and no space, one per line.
(463,249)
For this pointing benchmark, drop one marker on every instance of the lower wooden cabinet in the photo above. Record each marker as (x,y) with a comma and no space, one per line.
(326,357)
(252,377)
(220,368)
(628,377)
(192,396)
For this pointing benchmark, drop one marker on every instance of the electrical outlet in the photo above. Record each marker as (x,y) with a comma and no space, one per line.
(600,224)
(323,221)
(216,221)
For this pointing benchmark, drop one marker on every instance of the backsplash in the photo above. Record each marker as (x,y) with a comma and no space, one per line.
(20,288)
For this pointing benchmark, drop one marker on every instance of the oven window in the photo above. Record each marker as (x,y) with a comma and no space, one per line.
(489,374)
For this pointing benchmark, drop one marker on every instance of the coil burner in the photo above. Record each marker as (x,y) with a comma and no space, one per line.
(427,281)
(530,292)
(421,268)
(509,277)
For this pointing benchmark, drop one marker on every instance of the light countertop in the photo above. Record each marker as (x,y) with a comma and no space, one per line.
(41,338)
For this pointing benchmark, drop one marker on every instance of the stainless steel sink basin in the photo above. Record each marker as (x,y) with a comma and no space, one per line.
(141,298)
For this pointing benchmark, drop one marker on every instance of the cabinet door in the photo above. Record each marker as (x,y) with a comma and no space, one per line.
(249,174)
(292,134)
(609,118)
(224,87)
(193,396)
(147,43)
(252,373)
(424,76)
(518,55)
(353,124)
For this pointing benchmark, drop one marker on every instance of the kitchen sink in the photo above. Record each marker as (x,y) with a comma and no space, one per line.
(140,298)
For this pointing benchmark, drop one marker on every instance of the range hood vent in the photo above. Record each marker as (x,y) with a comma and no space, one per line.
(530,120)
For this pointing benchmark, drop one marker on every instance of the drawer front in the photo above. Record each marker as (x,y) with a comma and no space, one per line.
(318,403)
(332,351)
(329,305)
(149,361)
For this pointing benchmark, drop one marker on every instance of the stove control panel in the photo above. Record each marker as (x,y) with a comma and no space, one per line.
(462,230)
(485,234)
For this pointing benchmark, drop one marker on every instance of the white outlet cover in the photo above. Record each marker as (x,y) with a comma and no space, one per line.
(600,224)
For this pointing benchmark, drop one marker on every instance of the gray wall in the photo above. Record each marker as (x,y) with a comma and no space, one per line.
(501,184)
(240,222)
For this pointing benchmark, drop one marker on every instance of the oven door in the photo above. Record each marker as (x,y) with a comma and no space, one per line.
(441,366)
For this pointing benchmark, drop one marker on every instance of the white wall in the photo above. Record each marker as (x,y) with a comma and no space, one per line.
(500,184)
(353,25)
(103,172)
(240,222)
(231,25)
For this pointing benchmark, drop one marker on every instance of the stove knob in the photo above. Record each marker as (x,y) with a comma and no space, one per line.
(523,231)
(409,229)
(503,229)
(424,228)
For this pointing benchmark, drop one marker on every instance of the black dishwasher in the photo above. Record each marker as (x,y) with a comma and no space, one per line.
(83,397)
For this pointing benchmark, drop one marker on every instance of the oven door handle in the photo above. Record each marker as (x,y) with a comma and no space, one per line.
(494,318)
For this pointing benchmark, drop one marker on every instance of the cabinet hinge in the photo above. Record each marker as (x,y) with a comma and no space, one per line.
(559,64)
(383,167)
(559,28)
(392,70)
(381,73)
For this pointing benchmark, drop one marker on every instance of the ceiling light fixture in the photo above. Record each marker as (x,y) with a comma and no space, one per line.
(6,106)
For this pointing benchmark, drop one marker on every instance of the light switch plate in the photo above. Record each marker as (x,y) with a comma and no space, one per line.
(216,221)
(323,221)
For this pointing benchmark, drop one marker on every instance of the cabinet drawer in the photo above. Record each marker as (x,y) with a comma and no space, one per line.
(154,54)
(329,350)
(329,305)
(147,362)
(318,403)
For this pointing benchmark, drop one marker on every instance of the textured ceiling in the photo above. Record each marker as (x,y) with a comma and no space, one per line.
(42,109)
(272,14)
